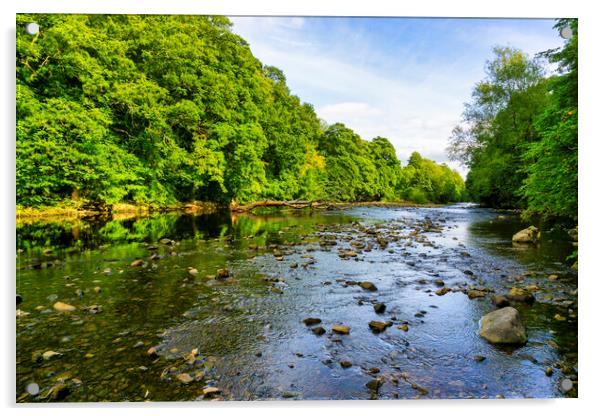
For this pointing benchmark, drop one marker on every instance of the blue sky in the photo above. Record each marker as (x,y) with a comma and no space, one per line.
(401,78)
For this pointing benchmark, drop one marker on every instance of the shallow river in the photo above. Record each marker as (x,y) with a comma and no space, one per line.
(244,334)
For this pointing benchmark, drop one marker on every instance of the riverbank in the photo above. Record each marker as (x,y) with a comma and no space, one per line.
(65,212)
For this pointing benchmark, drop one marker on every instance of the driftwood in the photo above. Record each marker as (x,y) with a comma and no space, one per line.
(288,204)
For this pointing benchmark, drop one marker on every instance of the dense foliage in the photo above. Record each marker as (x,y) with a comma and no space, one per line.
(519,136)
(165,109)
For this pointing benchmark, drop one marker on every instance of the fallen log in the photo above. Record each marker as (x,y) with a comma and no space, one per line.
(289,204)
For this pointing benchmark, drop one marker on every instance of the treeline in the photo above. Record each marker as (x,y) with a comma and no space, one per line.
(165,109)
(519,136)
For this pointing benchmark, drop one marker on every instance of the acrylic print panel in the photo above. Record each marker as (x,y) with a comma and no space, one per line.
(260,208)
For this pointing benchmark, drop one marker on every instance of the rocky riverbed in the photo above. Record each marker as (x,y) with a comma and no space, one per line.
(364,303)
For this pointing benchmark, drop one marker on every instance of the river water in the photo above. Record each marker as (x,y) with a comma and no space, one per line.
(245,335)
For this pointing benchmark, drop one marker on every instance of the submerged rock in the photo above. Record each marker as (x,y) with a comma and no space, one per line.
(63,307)
(500,301)
(223,273)
(59,392)
(528,235)
(49,355)
(346,364)
(137,263)
(503,326)
(21,314)
(185,378)
(517,294)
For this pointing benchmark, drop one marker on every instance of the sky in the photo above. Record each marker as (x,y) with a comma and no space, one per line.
(405,79)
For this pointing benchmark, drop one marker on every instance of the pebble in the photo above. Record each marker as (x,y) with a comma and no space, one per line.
(403,327)
(346,364)
(549,371)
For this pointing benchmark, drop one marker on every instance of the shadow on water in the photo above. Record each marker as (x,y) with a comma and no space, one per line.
(284,266)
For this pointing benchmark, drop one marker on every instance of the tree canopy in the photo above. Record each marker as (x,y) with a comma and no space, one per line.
(165,109)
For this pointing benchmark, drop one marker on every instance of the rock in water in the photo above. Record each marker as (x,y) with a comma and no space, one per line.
(318,330)
(63,307)
(49,355)
(59,392)
(185,378)
(21,314)
(442,291)
(223,273)
(210,391)
(503,326)
(380,307)
(368,286)
(517,294)
(474,293)
(311,321)
(528,235)
(377,326)
(341,329)
(500,301)
(137,263)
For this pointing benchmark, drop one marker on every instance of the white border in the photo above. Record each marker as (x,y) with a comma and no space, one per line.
(590,157)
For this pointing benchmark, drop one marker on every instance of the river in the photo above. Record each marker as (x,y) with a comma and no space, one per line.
(242,337)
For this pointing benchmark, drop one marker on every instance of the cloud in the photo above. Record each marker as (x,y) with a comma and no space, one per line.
(346,110)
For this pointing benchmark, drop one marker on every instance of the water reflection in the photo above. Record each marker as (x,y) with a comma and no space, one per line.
(248,328)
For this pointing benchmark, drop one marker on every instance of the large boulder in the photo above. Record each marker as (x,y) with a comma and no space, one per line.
(528,235)
(503,326)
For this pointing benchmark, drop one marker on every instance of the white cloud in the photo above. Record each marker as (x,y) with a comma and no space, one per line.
(347,109)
